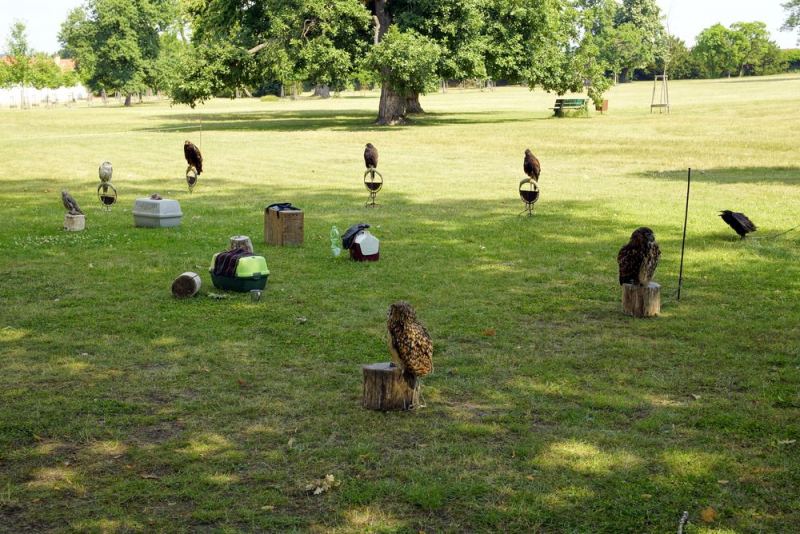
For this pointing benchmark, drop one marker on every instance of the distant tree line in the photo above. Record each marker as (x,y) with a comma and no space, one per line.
(24,67)
(199,49)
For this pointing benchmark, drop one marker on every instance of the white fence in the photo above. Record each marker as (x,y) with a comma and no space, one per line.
(29,97)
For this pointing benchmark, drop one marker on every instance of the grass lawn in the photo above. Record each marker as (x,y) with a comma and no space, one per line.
(124,410)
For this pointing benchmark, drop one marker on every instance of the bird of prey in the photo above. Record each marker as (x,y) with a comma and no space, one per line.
(409,342)
(639,258)
(738,221)
(193,157)
(531,165)
(371,156)
(70,204)
(106,171)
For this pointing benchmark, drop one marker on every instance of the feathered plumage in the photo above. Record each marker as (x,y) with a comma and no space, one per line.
(738,221)
(531,165)
(639,258)
(409,342)
(105,171)
(70,203)
(193,156)
(371,156)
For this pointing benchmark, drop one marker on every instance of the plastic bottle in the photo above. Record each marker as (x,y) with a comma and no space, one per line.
(336,242)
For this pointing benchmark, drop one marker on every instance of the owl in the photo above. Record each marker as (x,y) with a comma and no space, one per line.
(738,221)
(639,258)
(70,204)
(106,171)
(371,156)
(409,342)
(531,165)
(193,157)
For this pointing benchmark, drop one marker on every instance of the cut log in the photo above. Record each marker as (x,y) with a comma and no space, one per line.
(388,388)
(641,301)
(241,241)
(186,285)
(74,223)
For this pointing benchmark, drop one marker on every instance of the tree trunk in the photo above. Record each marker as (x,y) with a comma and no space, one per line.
(392,108)
(283,90)
(413,105)
(322,91)
(128,100)
(387,388)
(623,76)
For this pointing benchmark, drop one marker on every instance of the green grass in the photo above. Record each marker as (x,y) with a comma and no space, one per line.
(571,419)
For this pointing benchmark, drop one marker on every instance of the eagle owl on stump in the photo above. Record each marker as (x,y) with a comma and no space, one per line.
(531,165)
(409,342)
(70,204)
(639,258)
(193,157)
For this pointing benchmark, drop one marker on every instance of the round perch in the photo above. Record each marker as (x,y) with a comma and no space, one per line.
(388,388)
(241,241)
(186,285)
(73,223)
(641,301)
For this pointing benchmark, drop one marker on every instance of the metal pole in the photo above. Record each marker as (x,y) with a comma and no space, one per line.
(685,219)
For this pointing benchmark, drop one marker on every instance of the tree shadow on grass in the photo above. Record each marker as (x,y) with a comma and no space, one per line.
(353,120)
(743,175)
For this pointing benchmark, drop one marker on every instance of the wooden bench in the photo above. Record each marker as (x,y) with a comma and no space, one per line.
(568,104)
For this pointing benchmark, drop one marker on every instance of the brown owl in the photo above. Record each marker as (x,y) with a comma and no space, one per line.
(639,258)
(531,165)
(409,342)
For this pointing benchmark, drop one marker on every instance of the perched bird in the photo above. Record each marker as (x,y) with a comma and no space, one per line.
(531,165)
(371,156)
(639,258)
(193,157)
(156,196)
(106,171)
(409,342)
(70,204)
(738,221)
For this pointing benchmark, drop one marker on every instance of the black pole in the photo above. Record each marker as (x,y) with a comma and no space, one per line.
(685,219)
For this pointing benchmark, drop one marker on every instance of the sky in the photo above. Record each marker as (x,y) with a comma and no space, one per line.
(686,18)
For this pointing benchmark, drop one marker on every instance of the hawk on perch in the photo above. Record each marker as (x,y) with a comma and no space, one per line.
(70,204)
(531,165)
(105,171)
(371,156)
(193,157)
(738,221)
(639,258)
(409,342)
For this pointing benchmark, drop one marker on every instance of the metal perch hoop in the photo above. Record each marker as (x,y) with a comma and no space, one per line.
(372,185)
(191,178)
(529,193)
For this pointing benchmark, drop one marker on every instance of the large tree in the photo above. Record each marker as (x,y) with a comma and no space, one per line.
(793,15)
(409,44)
(117,42)
(19,56)
(742,48)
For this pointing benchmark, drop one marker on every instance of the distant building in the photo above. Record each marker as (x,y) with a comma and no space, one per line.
(30,97)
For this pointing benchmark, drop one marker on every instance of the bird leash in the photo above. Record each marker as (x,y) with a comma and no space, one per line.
(773,236)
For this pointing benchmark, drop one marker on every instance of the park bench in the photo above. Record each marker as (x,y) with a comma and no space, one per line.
(568,104)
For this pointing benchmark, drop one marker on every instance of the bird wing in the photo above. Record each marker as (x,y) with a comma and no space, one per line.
(630,261)
(193,156)
(415,349)
(651,262)
(537,170)
(746,223)
(371,157)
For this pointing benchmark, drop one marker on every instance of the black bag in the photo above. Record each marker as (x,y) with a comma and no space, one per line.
(280,206)
(350,234)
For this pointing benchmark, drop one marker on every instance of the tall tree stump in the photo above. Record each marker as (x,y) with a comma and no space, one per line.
(74,223)
(241,241)
(388,388)
(641,301)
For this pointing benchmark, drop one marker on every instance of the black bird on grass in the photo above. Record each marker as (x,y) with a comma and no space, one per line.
(193,157)
(531,165)
(738,221)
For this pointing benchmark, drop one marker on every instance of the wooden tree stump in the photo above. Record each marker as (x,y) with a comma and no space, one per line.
(388,388)
(74,223)
(186,285)
(241,241)
(641,301)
